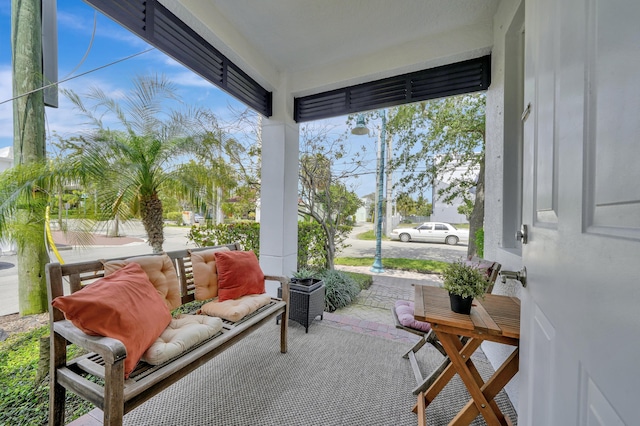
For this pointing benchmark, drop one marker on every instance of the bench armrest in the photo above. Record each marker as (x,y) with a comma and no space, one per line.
(111,350)
(284,282)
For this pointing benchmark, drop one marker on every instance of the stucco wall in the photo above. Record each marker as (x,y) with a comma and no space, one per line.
(497,97)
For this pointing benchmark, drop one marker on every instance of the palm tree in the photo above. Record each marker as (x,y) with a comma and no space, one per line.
(132,164)
(24,194)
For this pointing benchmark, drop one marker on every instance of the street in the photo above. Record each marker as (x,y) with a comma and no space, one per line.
(398,249)
(175,239)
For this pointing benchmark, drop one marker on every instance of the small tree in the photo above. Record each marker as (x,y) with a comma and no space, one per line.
(136,161)
(324,196)
(436,137)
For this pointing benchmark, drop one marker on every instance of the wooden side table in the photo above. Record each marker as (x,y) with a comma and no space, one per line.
(497,319)
(305,303)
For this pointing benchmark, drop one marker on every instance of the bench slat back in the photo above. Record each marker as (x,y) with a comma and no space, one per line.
(80,274)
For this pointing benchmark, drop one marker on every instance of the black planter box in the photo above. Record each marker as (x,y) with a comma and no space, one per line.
(306,288)
(306,302)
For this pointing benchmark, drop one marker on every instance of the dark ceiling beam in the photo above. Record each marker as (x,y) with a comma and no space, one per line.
(454,79)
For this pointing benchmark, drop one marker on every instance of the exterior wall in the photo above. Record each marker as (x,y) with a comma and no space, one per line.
(443,212)
(447,212)
(499,100)
(6,158)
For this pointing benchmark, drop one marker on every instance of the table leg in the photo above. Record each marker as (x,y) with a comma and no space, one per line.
(429,395)
(471,378)
(421,410)
(496,383)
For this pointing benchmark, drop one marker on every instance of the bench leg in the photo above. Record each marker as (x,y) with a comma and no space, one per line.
(284,326)
(113,393)
(57,393)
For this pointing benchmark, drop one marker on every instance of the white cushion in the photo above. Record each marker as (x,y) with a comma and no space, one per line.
(181,334)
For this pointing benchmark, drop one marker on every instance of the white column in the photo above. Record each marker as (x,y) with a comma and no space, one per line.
(279,189)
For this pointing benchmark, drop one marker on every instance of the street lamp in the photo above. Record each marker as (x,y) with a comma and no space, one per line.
(361,129)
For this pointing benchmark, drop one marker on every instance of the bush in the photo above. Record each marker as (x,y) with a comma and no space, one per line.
(174,217)
(312,253)
(23,400)
(245,233)
(364,281)
(340,289)
(311,246)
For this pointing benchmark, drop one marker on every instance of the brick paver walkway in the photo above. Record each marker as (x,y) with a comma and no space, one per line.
(371,312)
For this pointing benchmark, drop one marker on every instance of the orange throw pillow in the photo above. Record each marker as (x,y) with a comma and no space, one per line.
(239,274)
(124,306)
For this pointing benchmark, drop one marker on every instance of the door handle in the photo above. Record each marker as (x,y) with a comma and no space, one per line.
(520,275)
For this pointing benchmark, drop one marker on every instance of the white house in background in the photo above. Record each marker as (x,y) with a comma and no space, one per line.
(443,211)
(6,158)
(362,214)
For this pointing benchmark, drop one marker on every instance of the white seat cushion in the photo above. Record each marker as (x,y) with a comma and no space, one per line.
(181,334)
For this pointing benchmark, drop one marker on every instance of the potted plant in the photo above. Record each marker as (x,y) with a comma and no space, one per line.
(304,276)
(463,282)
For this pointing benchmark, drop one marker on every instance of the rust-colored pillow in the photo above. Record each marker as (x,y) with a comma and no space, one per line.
(205,274)
(123,306)
(239,274)
(161,273)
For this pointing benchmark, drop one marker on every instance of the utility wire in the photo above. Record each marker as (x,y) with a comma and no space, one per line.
(79,75)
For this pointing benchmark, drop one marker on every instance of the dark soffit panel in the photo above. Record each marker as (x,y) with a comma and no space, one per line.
(155,24)
(454,79)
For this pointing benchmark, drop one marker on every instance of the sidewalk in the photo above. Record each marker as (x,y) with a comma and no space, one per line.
(371,311)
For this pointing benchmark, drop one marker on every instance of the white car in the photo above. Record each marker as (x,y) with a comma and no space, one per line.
(432,232)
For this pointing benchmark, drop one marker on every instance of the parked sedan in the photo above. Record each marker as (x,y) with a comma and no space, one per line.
(432,232)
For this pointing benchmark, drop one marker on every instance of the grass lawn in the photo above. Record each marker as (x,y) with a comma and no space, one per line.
(415,265)
(369,236)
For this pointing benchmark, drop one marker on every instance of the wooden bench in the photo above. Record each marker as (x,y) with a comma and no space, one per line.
(114,395)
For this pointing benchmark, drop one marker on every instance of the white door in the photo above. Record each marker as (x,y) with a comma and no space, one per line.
(580,347)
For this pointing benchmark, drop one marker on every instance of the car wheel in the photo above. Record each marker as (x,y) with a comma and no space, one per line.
(405,238)
(452,240)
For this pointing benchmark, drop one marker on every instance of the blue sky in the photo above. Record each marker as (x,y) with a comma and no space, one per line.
(111,43)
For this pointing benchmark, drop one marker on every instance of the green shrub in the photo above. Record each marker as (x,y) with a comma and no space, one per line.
(340,289)
(364,281)
(245,233)
(23,401)
(312,253)
(174,217)
(311,246)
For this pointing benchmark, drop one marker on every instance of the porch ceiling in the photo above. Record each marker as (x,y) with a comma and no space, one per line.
(320,45)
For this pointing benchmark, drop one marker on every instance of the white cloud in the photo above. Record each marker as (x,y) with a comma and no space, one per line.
(191,79)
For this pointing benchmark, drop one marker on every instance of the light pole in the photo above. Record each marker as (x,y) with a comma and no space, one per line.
(361,129)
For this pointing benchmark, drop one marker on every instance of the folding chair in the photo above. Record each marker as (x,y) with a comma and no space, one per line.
(402,313)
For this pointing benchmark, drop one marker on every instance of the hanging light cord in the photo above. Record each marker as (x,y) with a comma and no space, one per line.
(86,54)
